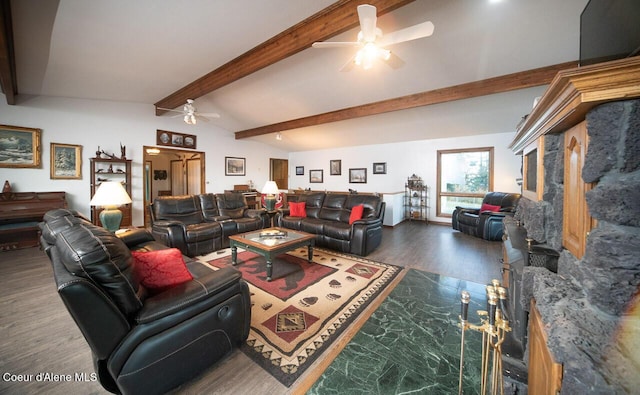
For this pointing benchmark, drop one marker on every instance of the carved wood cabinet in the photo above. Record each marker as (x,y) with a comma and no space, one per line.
(576,221)
(545,374)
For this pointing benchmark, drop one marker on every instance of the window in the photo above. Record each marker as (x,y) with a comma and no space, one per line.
(464,177)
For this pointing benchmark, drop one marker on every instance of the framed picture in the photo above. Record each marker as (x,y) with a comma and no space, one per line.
(66,161)
(163,137)
(20,146)
(299,170)
(358,176)
(190,141)
(177,139)
(335,167)
(234,166)
(380,168)
(174,139)
(315,176)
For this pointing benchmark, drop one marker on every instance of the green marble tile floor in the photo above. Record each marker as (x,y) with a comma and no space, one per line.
(411,343)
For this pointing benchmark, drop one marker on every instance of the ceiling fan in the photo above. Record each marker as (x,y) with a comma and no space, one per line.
(190,115)
(372,43)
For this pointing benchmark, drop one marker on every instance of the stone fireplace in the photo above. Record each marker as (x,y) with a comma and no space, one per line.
(591,307)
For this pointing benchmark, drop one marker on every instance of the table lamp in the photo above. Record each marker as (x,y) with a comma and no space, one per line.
(271,190)
(110,195)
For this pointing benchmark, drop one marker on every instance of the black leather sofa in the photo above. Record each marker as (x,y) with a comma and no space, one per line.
(230,209)
(327,217)
(142,343)
(486,224)
(200,224)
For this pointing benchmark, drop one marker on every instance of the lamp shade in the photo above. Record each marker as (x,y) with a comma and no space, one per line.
(270,188)
(110,194)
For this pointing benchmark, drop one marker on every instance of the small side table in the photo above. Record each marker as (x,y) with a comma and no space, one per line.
(271,214)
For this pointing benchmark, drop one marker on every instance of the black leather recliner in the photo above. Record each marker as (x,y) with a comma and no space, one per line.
(486,224)
(142,343)
(200,224)
(177,221)
(239,217)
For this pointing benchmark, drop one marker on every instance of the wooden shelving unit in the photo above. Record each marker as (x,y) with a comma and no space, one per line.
(107,169)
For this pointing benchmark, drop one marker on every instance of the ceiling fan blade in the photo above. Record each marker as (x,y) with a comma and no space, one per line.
(349,65)
(168,109)
(367,16)
(415,32)
(208,114)
(199,117)
(334,44)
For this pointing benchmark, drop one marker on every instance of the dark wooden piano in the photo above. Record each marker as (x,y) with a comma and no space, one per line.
(20,213)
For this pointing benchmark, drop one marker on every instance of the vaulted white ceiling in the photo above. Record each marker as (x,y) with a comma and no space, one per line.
(144,50)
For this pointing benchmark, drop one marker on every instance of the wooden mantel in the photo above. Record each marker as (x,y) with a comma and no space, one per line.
(573,92)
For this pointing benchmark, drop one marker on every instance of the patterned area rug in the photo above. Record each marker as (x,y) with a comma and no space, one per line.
(296,316)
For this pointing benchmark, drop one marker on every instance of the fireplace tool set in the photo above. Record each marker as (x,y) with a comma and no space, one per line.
(494,326)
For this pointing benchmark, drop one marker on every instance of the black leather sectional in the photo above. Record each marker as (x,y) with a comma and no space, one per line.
(141,342)
(200,224)
(327,217)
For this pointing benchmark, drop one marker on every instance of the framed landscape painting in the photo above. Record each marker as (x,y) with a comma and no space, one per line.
(358,176)
(19,147)
(234,166)
(316,176)
(335,167)
(380,168)
(66,161)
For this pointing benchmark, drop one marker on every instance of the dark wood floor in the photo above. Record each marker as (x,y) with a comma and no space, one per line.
(37,335)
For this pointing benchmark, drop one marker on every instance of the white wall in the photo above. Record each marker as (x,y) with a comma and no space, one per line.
(93,123)
(403,160)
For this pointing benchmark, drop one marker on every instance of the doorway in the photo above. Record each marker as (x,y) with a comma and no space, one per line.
(279,172)
(169,172)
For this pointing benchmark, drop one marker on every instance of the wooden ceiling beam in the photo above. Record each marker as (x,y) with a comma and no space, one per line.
(505,83)
(8,77)
(329,22)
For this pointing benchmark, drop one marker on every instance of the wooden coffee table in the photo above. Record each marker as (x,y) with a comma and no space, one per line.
(270,243)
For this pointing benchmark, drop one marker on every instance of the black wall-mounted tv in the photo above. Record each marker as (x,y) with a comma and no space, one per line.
(609,30)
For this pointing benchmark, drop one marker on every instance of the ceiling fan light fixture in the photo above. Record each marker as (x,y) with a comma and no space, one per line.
(188,107)
(190,119)
(188,113)
(370,52)
(371,42)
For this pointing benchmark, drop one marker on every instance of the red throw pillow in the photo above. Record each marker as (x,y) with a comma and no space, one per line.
(489,207)
(297,209)
(356,213)
(161,269)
